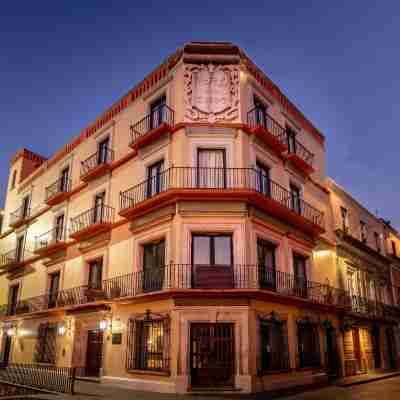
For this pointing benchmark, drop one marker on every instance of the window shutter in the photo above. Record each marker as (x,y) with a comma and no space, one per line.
(130,345)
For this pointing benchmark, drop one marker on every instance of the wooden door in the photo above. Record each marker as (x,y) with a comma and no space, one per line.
(357,348)
(212,354)
(94,352)
(391,348)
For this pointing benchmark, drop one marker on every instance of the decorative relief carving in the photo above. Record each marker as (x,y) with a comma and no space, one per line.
(211,92)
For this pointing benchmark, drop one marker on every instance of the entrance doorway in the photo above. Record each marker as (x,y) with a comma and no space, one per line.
(357,350)
(391,348)
(94,352)
(212,354)
(7,342)
(332,357)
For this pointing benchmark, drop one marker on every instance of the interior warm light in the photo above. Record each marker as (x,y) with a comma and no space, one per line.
(61,330)
(103,324)
(10,332)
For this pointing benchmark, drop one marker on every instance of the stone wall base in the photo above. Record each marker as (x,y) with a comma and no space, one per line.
(144,385)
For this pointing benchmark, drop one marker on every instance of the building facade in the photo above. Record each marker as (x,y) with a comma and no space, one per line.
(188,239)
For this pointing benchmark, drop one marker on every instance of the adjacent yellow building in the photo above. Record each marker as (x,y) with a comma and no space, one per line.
(189,238)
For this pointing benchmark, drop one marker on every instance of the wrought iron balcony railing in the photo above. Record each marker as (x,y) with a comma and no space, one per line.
(218,179)
(53,237)
(98,215)
(15,257)
(20,215)
(296,148)
(258,117)
(60,186)
(101,157)
(162,115)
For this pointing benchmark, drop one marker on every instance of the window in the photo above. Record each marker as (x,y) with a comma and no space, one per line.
(212,250)
(363,231)
(103,151)
(19,251)
(59,228)
(46,344)
(12,299)
(291,139)
(300,275)
(1,222)
(263,183)
(148,344)
(211,165)
(308,344)
(377,242)
(156,179)
(64,180)
(25,206)
(98,211)
(394,251)
(153,266)
(274,345)
(157,110)
(53,289)
(344,214)
(266,264)
(261,113)
(95,274)
(13,180)
(295,199)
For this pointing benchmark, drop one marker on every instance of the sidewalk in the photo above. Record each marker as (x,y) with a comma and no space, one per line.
(365,378)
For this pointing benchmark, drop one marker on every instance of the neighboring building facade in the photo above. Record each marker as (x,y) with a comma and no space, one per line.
(184,240)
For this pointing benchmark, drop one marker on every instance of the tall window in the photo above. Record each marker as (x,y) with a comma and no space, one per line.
(291,139)
(46,344)
(363,231)
(95,274)
(377,242)
(211,168)
(156,179)
(266,264)
(263,183)
(64,181)
(98,211)
(12,299)
(19,251)
(212,250)
(1,222)
(147,345)
(153,266)
(295,198)
(274,345)
(103,151)
(344,215)
(157,111)
(59,228)
(54,287)
(308,344)
(300,275)
(26,206)
(13,180)
(261,113)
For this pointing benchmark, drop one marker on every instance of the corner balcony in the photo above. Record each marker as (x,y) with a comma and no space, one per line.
(187,280)
(301,157)
(266,129)
(50,242)
(224,184)
(15,258)
(92,222)
(98,164)
(20,217)
(58,191)
(152,126)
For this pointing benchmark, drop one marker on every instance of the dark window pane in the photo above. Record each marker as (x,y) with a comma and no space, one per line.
(202,250)
(223,250)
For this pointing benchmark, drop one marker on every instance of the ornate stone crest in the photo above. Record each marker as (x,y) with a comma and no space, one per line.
(211,92)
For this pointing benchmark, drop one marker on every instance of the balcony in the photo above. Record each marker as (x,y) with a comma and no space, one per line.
(225,184)
(266,129)
(50,242)
(301,157)
(14,259)
(186,280)
(58,191)
(92,222)
(20,216)
(369,308)
(152,126)
(97,164)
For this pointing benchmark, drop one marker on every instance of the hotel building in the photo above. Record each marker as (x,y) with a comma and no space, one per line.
(189,238)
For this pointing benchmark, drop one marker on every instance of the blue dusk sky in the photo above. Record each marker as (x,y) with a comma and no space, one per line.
(64,62)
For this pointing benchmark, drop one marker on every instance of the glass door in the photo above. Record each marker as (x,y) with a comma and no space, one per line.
(300,276)
(98,211)
(211,171)
(295,199)
(153,266)
(53,289)
(95,274)
(156,112)
(155,183)
(64,180)
(263,183)
(266,265)
(103,148)
(261,113)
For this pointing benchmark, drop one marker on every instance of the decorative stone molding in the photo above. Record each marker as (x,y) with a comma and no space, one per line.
(211,92)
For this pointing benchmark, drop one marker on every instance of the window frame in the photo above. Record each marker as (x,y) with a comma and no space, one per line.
(212,237)
(308,327)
